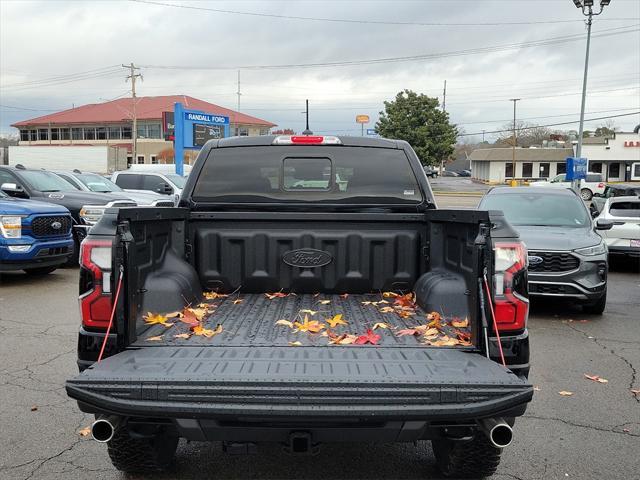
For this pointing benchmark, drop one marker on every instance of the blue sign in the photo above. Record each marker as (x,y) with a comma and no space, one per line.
(371,132)
(576,168)
(194,130)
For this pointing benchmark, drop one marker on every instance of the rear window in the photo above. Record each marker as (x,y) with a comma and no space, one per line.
(128,181)
(625,209)
(353,175)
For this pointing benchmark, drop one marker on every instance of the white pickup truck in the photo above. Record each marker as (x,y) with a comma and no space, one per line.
(592,184)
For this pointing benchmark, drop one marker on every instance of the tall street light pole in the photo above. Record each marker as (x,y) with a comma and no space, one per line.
(587,10)
(514,182)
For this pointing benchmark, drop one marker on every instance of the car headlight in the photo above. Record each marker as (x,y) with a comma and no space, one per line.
(11,226)
(599,249)
(90,215)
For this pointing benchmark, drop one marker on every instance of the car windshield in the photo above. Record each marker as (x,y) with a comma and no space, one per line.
(43,181)
(3,195)
(177,180)
(539,209)
(97,183)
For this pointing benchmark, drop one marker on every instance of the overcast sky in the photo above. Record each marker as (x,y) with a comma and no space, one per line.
(45,42)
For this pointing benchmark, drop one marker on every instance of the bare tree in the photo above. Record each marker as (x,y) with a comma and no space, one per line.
(527,134)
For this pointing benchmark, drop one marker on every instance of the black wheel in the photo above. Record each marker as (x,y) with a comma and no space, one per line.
(36,271)
(152,454)
(586,194)
(475,458)
(596,308)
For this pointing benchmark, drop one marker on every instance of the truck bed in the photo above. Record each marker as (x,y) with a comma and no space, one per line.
(251,321)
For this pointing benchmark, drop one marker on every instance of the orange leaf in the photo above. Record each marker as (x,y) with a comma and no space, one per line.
(156,319)
(312,326)
(405,300)
(335,321)
(198,312)
(157,338)
(213,295)
(596,378)
(456,322)
(389,294)
(564,393)
(344,339)
(271,296)
(205,332)
(189,318)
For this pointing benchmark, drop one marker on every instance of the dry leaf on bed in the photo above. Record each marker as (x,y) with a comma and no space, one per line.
(213,295)
(295,344)
(157,338)
(324,302)
(182,335)
(156,319)
(456,322)
(310,312)
(382,325)
(285,323)
(335,321)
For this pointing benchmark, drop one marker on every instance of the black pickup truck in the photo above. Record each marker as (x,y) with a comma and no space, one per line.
(318,285)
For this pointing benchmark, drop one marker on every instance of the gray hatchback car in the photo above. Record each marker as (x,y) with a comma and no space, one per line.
(567,258)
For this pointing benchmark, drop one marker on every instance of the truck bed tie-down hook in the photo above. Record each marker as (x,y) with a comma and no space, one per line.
(113,312)
(495,323)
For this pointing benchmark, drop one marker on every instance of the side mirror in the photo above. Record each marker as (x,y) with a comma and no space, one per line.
(594,212)
(603,224)
(13,189)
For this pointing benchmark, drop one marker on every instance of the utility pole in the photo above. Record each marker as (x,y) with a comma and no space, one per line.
(238,92)
(483,135)
(514,183)
(444,109)
(134,131)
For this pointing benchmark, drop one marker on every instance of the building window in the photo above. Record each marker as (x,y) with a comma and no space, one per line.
(508,170)
(544,170)
(154,159)
(129,160)
(140,159)
(126,132)
(264,131)
(114,133)
(55,134)
(595,167)
(64,134)
(527,170)
(636,170)
(89,133)
(153,130)
(561,168)
(243,131)
(614,170)
(76,134)
(24,135)
(101,133)
(43,134)
(142,131)
(33,135)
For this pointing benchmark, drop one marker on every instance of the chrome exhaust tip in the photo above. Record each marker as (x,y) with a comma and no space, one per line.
(103,429)
(499,432)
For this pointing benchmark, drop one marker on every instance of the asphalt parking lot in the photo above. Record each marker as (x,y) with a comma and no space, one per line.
(594,433)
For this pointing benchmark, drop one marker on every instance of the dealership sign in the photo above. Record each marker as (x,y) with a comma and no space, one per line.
(632,144)
(576,168)
(205,117)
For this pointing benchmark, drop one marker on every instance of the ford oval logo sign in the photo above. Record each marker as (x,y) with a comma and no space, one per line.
(535,260)
(56,225)
(307,258)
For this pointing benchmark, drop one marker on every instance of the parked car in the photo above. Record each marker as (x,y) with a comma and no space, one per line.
(240,230)
(593,184)
(34,236)
(464,173)
(623,239)
(567,257)
(612,190)
(86,208)
(430,172)
(92,182)
(162,183)
(448,173)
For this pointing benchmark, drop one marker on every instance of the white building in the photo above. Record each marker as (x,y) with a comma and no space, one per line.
(495,165)
(617,158)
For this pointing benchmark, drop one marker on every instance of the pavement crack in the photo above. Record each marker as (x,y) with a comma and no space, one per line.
(582,425)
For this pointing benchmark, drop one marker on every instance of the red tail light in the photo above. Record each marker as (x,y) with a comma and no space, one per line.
(601,185)
(95,301)
(306,140)
(511,306)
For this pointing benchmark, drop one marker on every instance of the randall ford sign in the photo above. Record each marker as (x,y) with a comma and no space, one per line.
(632,144)
(205,117)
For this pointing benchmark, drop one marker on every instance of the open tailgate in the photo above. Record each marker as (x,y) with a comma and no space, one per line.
(385,383)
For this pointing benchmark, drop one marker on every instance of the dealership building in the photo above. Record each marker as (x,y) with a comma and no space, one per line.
(110,124)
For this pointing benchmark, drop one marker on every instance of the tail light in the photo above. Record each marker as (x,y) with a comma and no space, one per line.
(306,140)
(510,286)
(601,185)
(95,283)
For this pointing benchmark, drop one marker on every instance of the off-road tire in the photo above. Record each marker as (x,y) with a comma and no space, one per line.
(596,308)
(139,455)
(475,458)
(586,194)
(37,271)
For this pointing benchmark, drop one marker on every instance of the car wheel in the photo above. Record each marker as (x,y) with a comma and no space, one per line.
(40,270)
(136,455)
(586,194)
(475,458)
(596,308)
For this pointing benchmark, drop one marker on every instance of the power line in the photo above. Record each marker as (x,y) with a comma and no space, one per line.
(106,74)
(364,21)
(409,58)
(552,124)
(62,77)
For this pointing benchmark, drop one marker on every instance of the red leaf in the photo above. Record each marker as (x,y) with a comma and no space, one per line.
(369,337)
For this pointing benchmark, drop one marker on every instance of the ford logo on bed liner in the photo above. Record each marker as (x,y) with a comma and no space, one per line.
(307,258)
(535,260)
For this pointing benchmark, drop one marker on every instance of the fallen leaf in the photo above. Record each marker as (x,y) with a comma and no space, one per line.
(382,325)
(435,320)
(635,392)
(157,338)
(380,301)
(626,430)
(464,336)
(271,296)
(205,332)
(367,303)
(34,408)
(387,310)
(344,339)
(237,301)
(295,344)
(324,302)
(213,295)
(344,295)
(596,378)
(335,321)
(406,312)
(389,294)
(456,322)
(173,314)
(564,393)
(198,312)
(84,432)
(189,318)
(405,300)
(536,388)
(407,331)
(444,341)
(182,335)
(310,312)
(430,332)
(369,337)
(312,326)
(156,319)
(285,323)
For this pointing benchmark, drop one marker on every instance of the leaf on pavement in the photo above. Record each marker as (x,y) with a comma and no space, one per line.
(157,338)
(34,408)
(564,393)
(285,323)
(335,321)
(596,378)
(156,319)
(635,392)
(295,344)
(382,325)
(456,322)
(368,338)
(84,432)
